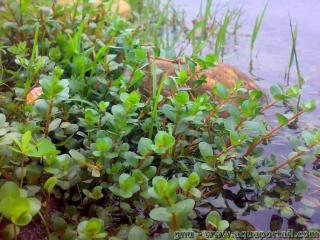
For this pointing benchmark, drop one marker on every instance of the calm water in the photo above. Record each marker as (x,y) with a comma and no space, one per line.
(271,57)
(273,46)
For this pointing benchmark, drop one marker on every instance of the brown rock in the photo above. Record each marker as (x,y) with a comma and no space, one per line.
(223,73)
(120,7)
(165,67)
(227,75)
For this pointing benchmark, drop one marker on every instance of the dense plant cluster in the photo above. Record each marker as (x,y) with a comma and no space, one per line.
(92,157)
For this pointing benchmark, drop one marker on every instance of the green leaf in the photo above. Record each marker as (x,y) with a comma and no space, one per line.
(181,98)
(268,201)
(249,107)
(277,92)
(193,179)
(207,167)
(77,156)
(138,74)
(20,214)
(213,219)
(50,183)
(92,229)
(24,4)
(309,106)
(286,212)
(9,189)
(127,185)
(211,59)
(46,148)
(293,91)
(234,138)
(54,124)
(160,186)
(221,91)
(205,150)
(226,167)
(140,54)
(103,106)
(195,192)
(145,146)
(137,233)
(95,194)
(163,141)
(223,225)
(182,77)
(257,126)
(22,219)
(183,207)
(53,87)
(309,138)
(130,100)
(301,187)
(104,144)
(34,206)
(126,181)
(26,139)
(91,116)
(264,180)
(161,214)
(55,54)
(281,119)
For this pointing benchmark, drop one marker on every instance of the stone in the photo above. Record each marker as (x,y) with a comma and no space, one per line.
(121,7)
(223,73)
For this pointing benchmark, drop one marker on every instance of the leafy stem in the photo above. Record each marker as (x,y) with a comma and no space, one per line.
(291,159)
(271,133)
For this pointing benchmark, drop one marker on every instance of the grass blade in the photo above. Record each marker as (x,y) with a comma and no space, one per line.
(257,27)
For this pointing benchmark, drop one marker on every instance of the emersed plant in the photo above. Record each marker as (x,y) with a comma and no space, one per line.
(175,208)
(96,158)
(255,32)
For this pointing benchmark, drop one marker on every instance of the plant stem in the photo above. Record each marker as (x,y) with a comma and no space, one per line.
(15,232)
(270,134)
(161,163)
(21,172)
(144,158)
(291,159)
(48,119)
(45,224)
(174,222)
(174,216)
(176,123)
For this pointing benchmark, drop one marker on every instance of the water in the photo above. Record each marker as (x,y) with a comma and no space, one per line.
(273,46)
(271,57)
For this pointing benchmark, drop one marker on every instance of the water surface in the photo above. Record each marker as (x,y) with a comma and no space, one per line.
(271,57)
(273,46)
